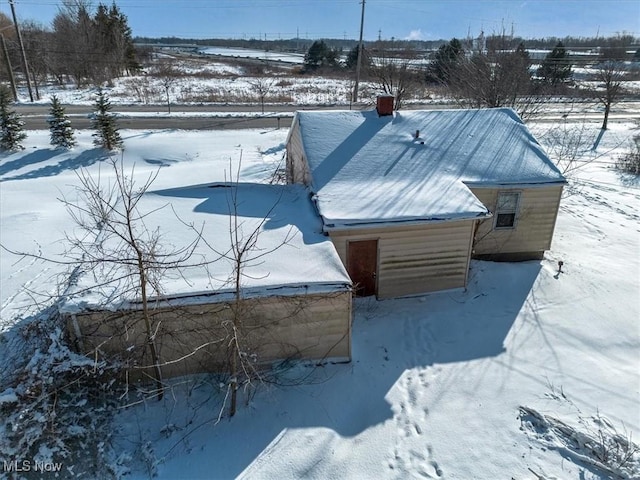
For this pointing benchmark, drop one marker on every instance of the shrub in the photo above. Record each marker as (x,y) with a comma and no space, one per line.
(57,408)
(629,162)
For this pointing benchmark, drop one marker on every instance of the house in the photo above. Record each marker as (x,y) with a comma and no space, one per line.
(295,293)
(408,198)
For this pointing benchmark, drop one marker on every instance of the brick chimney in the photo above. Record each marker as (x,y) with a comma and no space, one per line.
(384,105)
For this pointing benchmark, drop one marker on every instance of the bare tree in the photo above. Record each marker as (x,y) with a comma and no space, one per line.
(36,41)
(262,86)
(91,47)
(496,76)
(394,72)
(244,253)
(568,146)
(6,35)
(572,146)
(113,242)
(72,43)
(112,212)
(610,75)
(629,161)
(168,76)
(610,72)
(244,328)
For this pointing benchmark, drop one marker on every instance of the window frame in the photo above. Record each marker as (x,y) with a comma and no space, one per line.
(507,211)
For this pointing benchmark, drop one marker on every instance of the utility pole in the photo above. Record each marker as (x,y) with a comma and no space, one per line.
(359,62)
(24,56)
(12,80)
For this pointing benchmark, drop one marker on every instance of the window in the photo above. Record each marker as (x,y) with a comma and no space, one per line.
(506,209)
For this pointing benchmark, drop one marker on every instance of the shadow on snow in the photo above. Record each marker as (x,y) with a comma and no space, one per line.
(86,158)
(390,339)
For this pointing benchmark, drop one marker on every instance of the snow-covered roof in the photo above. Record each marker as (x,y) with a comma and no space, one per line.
(370,169)
(291,255)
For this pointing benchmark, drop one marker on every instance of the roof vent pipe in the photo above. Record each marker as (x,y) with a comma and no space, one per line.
(417,134)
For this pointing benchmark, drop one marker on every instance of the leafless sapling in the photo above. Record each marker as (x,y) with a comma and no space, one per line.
(262,86)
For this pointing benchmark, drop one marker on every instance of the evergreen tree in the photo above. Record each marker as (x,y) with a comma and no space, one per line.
(556,66)
(352,58)
(104,122)
(320,55)
(60,130)
(130,56)
(446,59)
(92,48)
(114,40)
(11,126)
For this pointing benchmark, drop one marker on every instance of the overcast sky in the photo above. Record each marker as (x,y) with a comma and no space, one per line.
(401,19)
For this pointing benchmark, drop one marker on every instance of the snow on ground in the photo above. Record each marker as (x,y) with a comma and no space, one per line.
(223,88)
(296,58)
(210,80)
(437,381)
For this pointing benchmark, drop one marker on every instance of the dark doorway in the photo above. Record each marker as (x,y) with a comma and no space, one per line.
(362,266)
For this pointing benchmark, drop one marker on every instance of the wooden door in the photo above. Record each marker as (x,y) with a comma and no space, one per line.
(362,266)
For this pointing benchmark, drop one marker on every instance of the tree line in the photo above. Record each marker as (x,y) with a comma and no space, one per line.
(486,72)
(84,46)
(346,44)
(499,73)
(61,133)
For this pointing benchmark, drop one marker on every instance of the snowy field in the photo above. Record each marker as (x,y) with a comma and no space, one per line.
(296,58)
(461,385)
(214,82)
(209,80)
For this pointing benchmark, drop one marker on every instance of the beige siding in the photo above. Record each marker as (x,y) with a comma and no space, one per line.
(535,221)
(416,259)
(297,167)
(308,327)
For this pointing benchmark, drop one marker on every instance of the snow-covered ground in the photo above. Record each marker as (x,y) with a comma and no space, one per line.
(296,58)
(439,385)
(214,82)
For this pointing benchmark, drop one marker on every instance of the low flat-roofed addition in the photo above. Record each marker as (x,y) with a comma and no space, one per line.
(290,254)
(293,300)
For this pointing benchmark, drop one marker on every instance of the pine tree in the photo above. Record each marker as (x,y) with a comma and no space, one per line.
(320,55)
(352,58)
(61,133)
(556,66)
(130,56)
(104,122)
(11,126)
(445,61)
